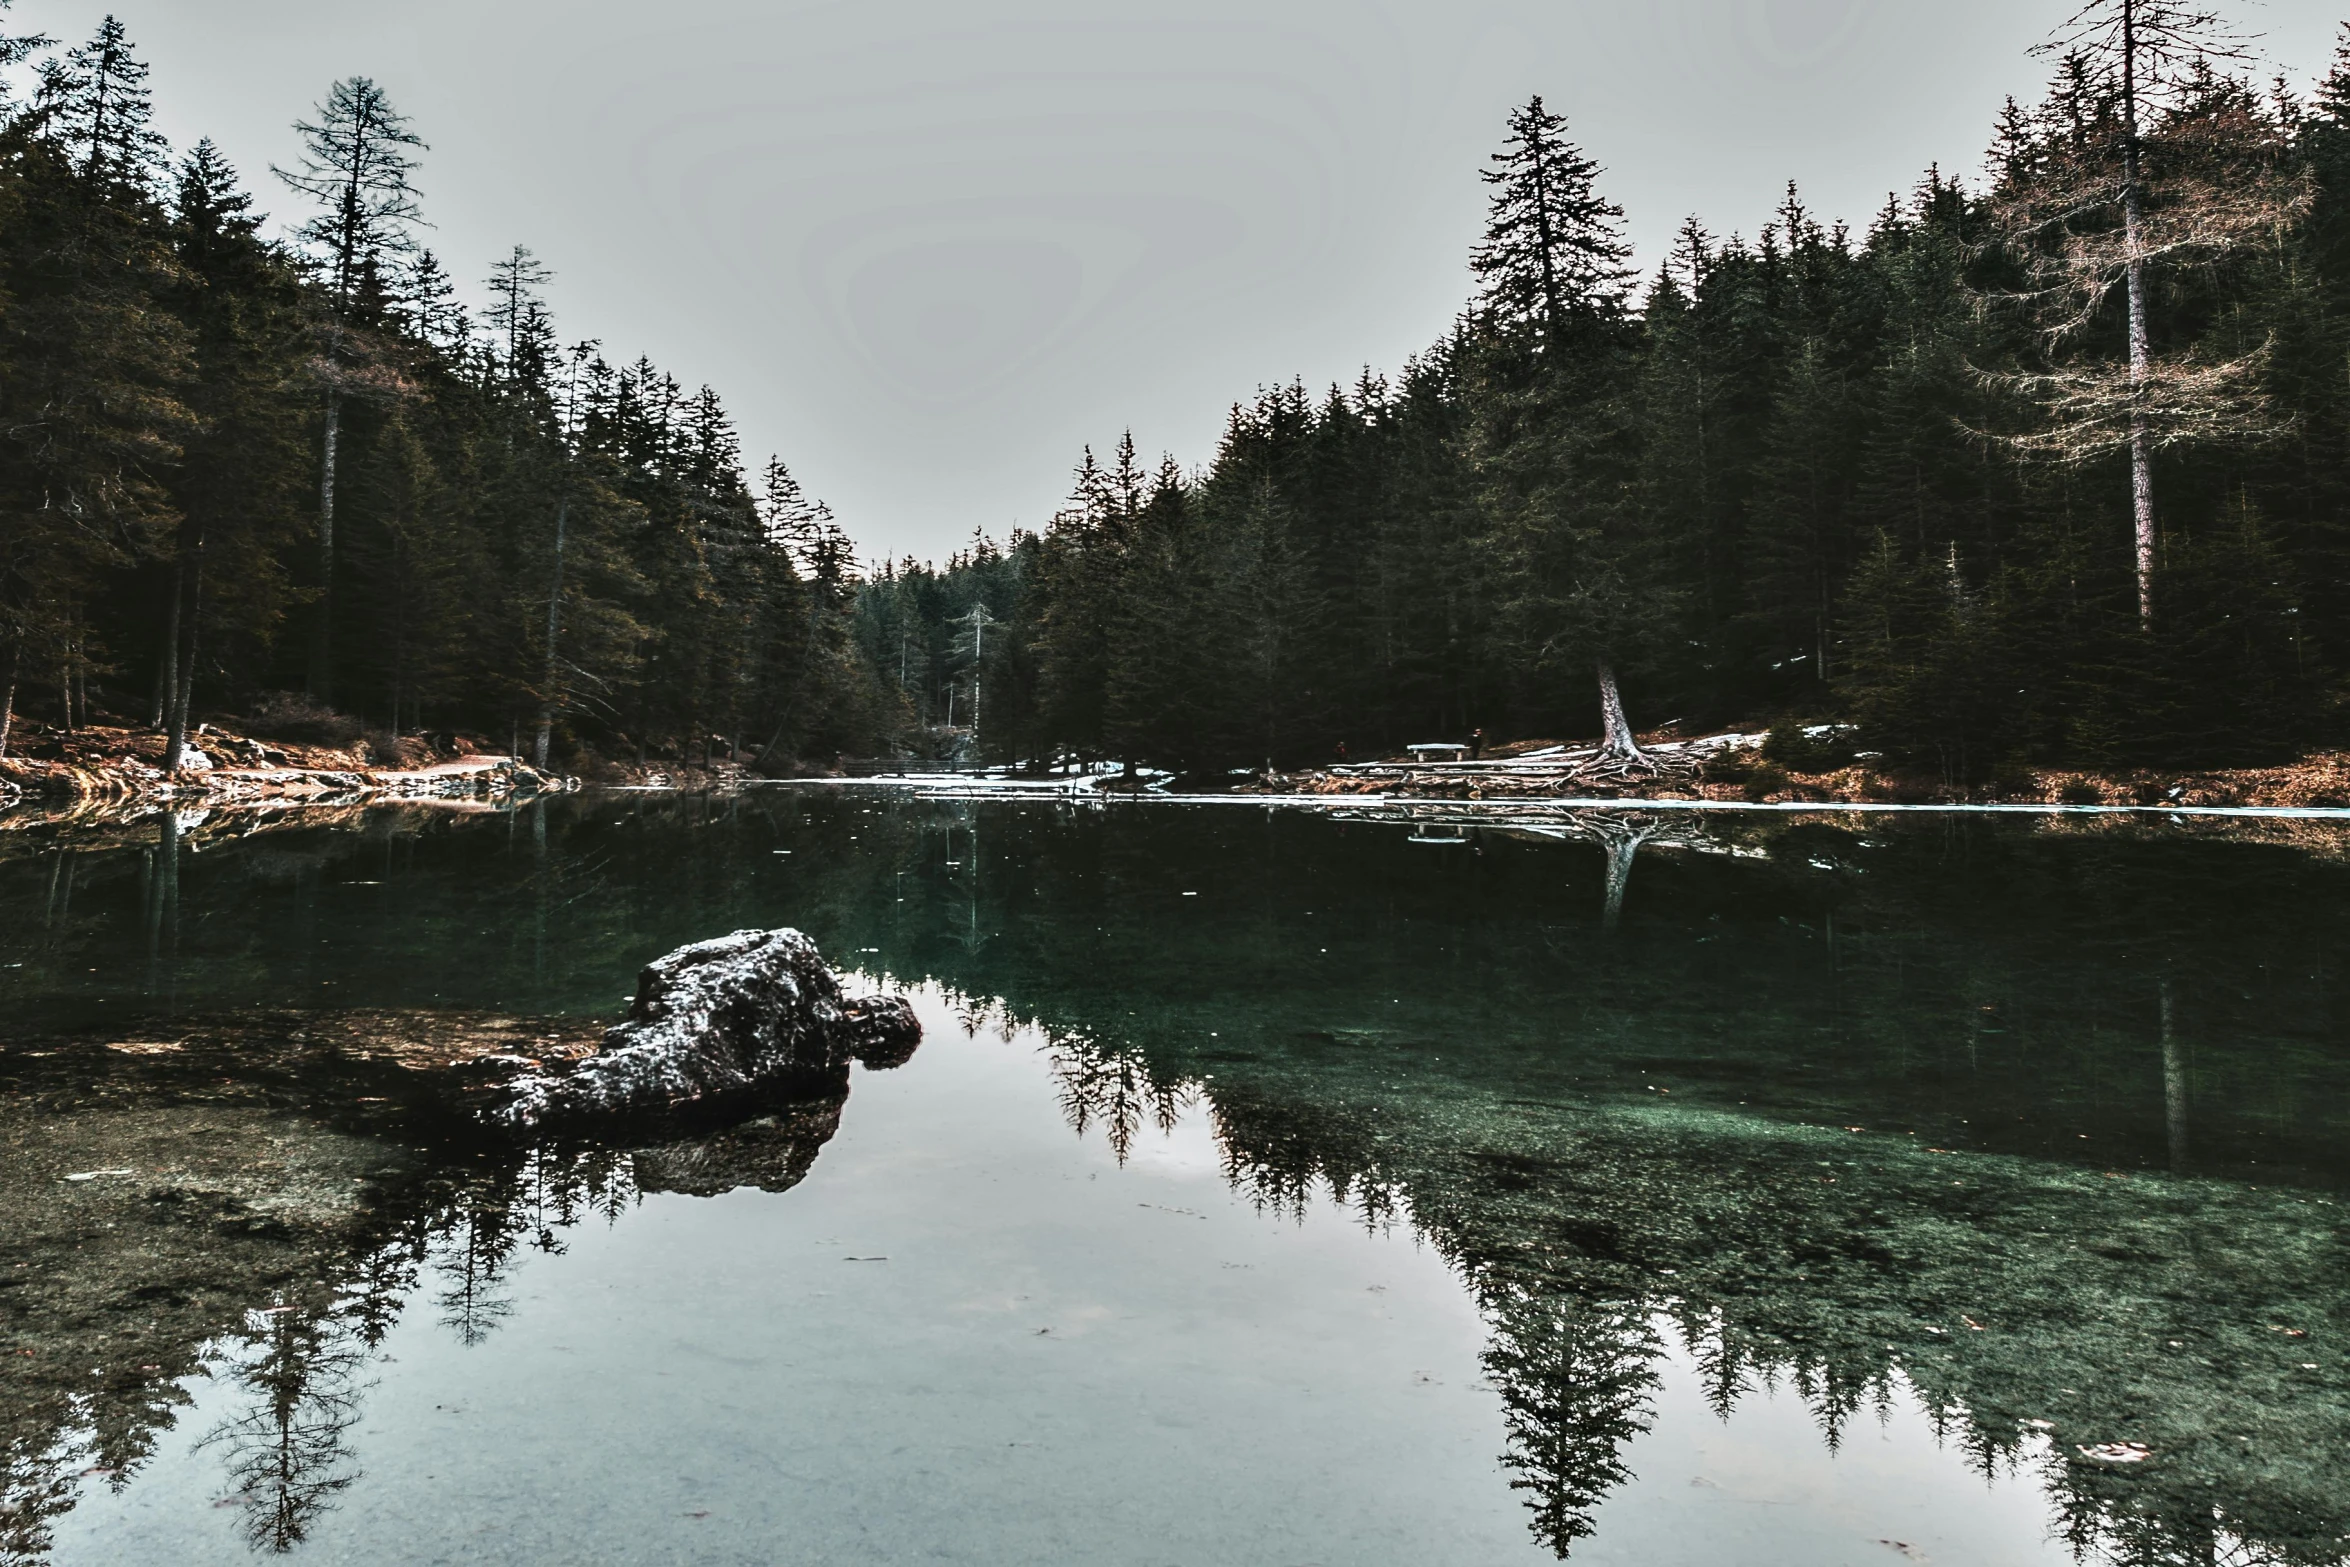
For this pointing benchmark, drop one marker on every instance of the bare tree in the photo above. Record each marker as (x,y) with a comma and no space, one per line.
(2144,155)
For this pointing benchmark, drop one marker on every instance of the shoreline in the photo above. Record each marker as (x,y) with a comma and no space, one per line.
(101,767)
(970,787)
(1725,772)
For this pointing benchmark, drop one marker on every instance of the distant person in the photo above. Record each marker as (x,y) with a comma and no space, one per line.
(1477,746)
(1342,753)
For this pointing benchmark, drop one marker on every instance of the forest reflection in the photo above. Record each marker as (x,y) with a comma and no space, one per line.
(1535,1057)
(1579,1369)
(1576,1356)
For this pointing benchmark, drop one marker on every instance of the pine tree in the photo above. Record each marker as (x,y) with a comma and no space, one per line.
(95,371)
(1581,557)
(522,335)
(236,490)
(1554,256)
(1799,539)
(356,162)
(1152,687)
(1078,586)
(96,106)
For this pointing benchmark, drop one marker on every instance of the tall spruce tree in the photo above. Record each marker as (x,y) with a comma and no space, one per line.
(357,157)
(1554,255)
(1583,569)
(97,108)
(236,488)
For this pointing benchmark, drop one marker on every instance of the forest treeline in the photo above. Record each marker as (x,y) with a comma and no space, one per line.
(295,478)
(2052,467)
(2048,467)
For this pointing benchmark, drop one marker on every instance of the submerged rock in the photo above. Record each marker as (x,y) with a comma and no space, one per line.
(758,1009)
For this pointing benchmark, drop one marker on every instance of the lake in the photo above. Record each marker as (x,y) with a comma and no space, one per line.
(1272,1185)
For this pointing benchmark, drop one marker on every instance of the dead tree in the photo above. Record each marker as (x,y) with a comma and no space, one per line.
(2143,156)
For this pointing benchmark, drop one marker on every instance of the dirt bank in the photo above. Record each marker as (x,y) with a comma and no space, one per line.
(1732,766)
(101,764)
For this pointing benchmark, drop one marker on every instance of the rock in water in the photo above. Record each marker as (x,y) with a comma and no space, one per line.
(757,1009)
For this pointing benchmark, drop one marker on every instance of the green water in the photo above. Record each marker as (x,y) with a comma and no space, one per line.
(1270,1187)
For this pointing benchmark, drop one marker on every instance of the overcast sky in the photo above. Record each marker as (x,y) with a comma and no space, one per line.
(927,248)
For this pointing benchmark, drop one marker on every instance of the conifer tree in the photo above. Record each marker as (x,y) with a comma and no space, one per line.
(236,488)
(95,371)
(1079,571)
(522,333)
(1582,563)
(356,162)
(97,107)
(1554,252)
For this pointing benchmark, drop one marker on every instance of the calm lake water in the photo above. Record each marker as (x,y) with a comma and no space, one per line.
(1269,1187)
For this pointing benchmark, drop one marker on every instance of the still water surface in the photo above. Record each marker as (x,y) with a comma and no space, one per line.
(1268,1188)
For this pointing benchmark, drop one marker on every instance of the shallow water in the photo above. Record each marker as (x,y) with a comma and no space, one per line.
(1268,1188)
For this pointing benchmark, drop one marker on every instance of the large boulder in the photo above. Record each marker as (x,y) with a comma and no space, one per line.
(720,1019)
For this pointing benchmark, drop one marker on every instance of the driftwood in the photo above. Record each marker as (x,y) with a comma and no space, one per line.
(1582,769)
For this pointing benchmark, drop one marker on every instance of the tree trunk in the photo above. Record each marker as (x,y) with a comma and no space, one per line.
(554,632)
(1616,742)
(322,631)
(2141,446)
(167,678)
(400,634)
(2141,356)
(8,696)
(767,756)
(175,748)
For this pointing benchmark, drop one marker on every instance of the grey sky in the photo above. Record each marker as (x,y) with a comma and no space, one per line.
(926,248)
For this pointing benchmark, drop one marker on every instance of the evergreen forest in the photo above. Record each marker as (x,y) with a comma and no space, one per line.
(2046,468)
(296,479)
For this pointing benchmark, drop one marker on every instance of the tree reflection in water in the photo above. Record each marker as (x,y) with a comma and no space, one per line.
(286,1452)
(301,1364)
(1582,1317)
(1578,1379)
(1565,1251)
